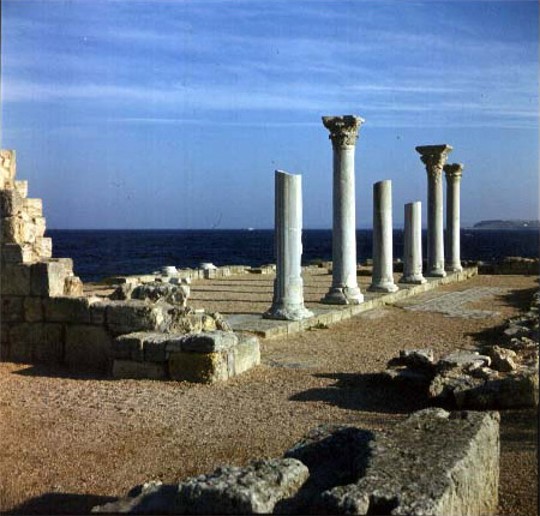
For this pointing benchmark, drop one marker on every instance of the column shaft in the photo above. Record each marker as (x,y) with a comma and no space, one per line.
(288,301)
(412,245)
(344,289)
(383,263)
(435,237)
(453,238)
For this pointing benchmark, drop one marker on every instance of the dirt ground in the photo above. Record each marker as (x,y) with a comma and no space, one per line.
(71,442)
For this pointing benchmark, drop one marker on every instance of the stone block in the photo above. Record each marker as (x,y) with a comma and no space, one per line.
(130,346)
(36,342)
(11,203)
(18,253)
(8,168)
(139,370)
(246,355)
(73,286)
(44,247)
(254,489)
(40,227)
(199,367)
(15,279)
(22,188)
(98,309)
(74,310)
(13,230)
(207,342)
(433,463)
(48,277)
(88,348)
(134,315)
(12,309)
(33,309)
(33,207)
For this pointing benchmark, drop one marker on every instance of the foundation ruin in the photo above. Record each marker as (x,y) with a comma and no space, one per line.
(46,318)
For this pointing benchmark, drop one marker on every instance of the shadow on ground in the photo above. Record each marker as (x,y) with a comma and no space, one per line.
(519,298)
(58,371)
(60,503)
(368,393)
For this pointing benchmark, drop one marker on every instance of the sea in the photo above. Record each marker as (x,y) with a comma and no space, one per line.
(98,254)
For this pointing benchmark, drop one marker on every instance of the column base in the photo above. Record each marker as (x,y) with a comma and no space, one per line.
(343,296)
(288,313)
(416,279)
(453,267)
(385,286)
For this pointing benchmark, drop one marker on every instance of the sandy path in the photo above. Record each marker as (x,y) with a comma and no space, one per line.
(69,442)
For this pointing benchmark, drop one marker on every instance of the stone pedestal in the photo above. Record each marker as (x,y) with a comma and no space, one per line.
(383,264)
(453,174)
(344,289)
(412,245)
(288,301)
(434,158)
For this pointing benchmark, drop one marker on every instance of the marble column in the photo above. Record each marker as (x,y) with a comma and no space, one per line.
(453,174)
(343,133)
(434,157)
(383,264)
(412,245)
(288,301)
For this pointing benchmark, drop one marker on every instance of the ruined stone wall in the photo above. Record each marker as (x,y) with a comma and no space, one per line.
(46,318)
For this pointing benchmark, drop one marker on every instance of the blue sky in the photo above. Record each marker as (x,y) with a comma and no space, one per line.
(175,113)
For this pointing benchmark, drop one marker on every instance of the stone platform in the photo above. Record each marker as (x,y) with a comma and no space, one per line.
(243,299)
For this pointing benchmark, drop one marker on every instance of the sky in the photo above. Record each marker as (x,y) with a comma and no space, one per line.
(176,113)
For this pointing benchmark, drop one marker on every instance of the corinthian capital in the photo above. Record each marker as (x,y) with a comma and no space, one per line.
(434,156)
(453,171)
(343,129)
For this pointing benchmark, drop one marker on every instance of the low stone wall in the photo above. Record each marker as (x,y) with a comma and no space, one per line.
(433,463)
(205,357)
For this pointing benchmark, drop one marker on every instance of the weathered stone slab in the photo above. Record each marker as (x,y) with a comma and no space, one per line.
(88,348)
(434,463)
(254,489)
(139,370)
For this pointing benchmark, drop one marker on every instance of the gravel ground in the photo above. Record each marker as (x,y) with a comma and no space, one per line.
(72,442)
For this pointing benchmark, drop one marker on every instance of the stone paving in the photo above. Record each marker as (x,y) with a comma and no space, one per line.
(453,304)
(243,309)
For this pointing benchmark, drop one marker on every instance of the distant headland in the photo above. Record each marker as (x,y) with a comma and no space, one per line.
(507,224)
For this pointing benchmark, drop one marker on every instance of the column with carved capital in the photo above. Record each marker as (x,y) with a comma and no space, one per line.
(453,174)
(343,134)
(434,157)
